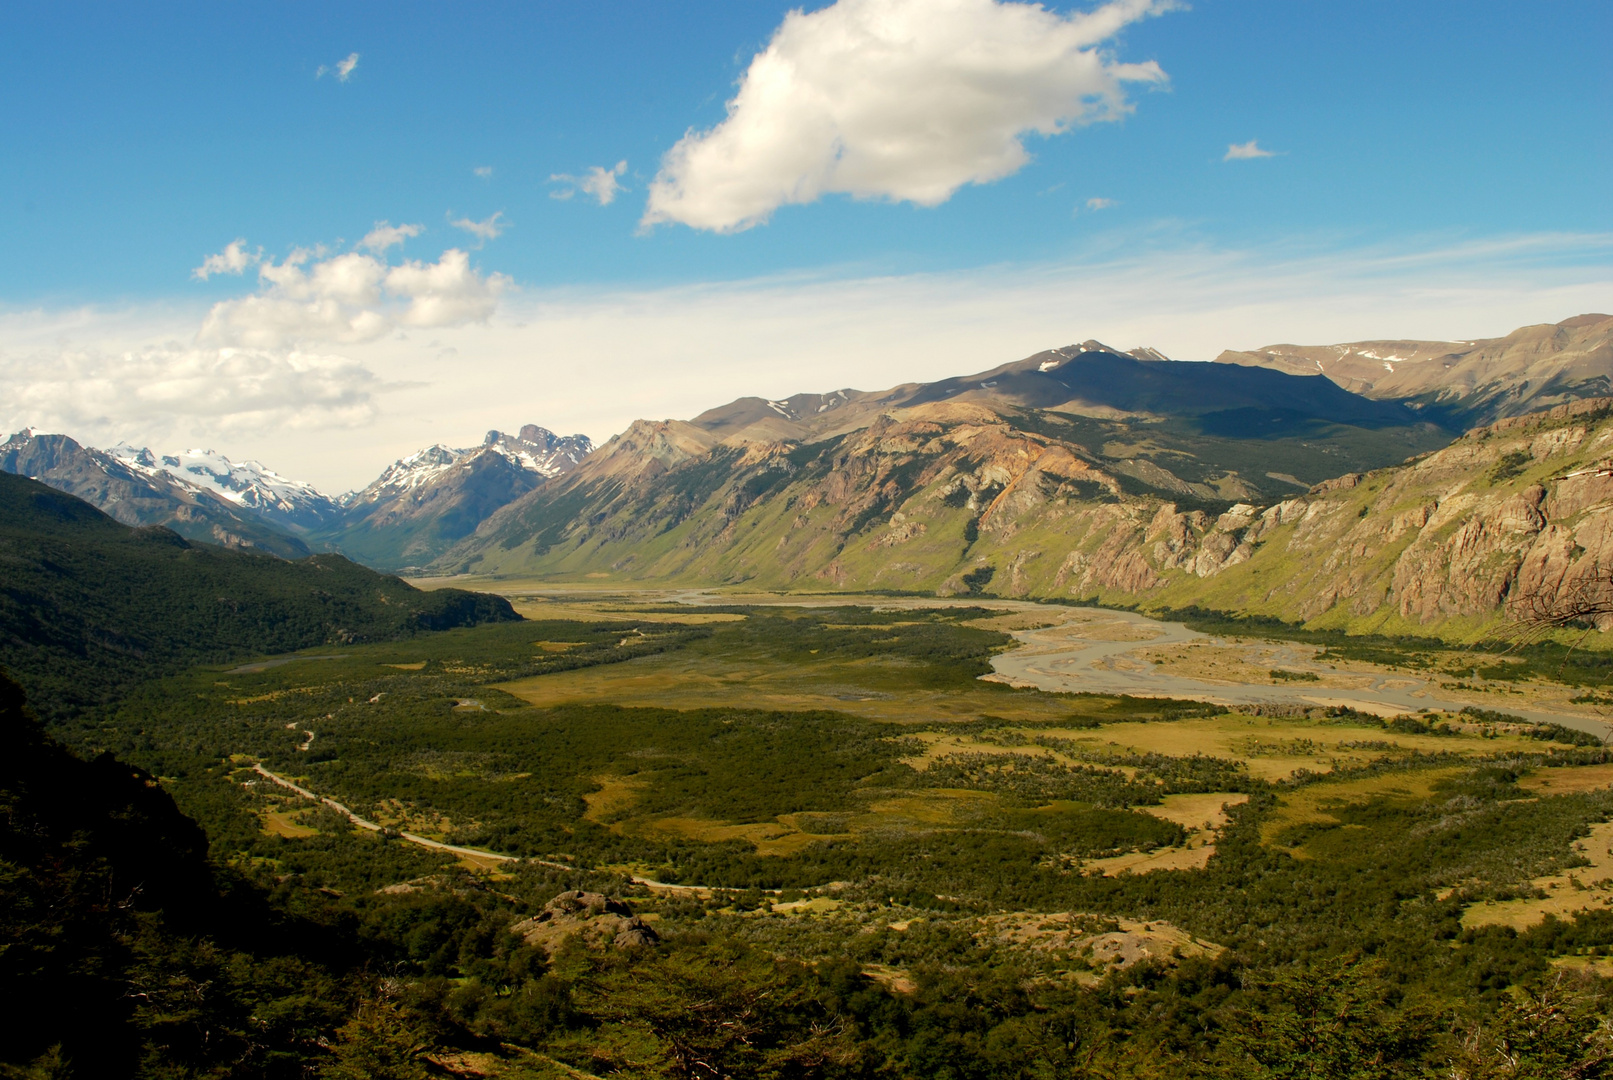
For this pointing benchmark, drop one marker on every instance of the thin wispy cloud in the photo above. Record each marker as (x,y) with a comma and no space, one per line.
(1247,151)
(484,172)
(386,235)
(598,182)
(342,69)
(1100,203)
(906,100)
(486,229)
(232,260)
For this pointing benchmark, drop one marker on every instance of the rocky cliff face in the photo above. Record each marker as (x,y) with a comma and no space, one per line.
(956,498)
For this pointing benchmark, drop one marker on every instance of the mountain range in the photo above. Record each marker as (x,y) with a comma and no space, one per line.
(1053,475)
(417,508)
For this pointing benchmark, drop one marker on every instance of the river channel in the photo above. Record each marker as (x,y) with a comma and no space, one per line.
(1100,651)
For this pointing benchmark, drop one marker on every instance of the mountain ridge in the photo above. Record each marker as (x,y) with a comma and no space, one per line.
(1468,383)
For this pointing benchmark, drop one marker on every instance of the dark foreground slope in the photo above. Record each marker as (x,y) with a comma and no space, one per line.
(89,606)
(123,952)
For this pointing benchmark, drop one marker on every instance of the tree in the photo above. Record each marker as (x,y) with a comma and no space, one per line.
(1556,1032)
(719,1012)
(380,1040)
(1331,1021)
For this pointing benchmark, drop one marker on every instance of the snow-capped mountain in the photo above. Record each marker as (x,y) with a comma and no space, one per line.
(247,484)
(413,511)
(424,503)
(535,450)
(136,492)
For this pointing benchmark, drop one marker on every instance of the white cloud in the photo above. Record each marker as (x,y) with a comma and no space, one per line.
(342,68)
(487,229)
(483,171)
(1247,151)
(351,298)
(153,390)
(1099,203)
(386,235)
(899,99)
(447,292)
(232,260)
(598,181)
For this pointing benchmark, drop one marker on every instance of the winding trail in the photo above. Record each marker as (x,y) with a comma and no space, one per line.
(423,841)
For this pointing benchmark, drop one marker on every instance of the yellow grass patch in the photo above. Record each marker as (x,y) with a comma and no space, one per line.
(896,980)
(1203,815)
(285,823)
(1568,780)
(869,687)
(1094,943)
(818,905)
(768,837)
(416,666)
(1583,888)
(616,795)
(1600,966)
(274,696)
(594,612)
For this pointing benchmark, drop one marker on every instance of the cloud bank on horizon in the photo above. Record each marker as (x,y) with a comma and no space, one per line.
(906,100)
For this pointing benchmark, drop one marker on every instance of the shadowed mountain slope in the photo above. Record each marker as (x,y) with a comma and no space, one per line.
(89,606)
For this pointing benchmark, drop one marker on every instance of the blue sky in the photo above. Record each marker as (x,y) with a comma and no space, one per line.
(138,140)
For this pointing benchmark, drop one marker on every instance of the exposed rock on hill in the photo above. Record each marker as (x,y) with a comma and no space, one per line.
(599,919)
(1463,382)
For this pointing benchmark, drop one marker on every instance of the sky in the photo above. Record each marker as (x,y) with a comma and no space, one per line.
(324,236)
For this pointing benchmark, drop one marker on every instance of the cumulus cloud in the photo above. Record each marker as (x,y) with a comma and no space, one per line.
(232,260)
(386,235)
(223,390)
(342,69)
(898,99)
(351,298)
(1246,151)
(1099,203)
(486,229)
(598,182)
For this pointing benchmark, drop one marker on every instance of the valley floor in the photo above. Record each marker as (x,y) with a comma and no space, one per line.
(935,825)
